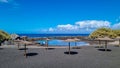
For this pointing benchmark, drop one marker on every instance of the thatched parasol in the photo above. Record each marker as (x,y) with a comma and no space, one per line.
(76,40)
(106,39)
(47,39)
(99,41)
(69,40)
(25,44)
(118,38)
(18,41)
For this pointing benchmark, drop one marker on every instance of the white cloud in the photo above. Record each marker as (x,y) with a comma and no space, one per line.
(86,26)
(93,24)
(67,27)
(51,29)
(12,3)
(116,26)
(4,1)
(7,1)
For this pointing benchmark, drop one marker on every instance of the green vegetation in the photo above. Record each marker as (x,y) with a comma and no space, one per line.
(4,36)
(103,32)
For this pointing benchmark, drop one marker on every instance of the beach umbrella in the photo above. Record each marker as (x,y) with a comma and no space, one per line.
(99,41)
(106,39)
(25,44)
(25,48)
(69,40)
(46,43)
(18,41)
(118,38)
(76,40)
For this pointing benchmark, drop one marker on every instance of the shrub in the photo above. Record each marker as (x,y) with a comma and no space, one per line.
(103,32)
(4,36)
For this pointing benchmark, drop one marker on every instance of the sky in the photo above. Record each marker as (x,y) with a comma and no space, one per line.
(58,16)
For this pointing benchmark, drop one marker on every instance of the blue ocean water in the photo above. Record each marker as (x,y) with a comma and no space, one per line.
(51,35)
(56,42)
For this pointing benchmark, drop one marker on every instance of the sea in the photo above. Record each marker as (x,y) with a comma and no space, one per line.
(51,35)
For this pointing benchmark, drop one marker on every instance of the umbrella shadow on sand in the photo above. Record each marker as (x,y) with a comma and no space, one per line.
(31,54)
(109,50)
(1,48)
(99,47)
(50,48)
(71,53)
(23,48)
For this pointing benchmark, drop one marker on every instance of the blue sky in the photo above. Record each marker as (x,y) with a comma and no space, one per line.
(58,16)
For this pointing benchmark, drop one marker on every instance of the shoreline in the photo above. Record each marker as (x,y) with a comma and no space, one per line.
(82,39)
(36,46)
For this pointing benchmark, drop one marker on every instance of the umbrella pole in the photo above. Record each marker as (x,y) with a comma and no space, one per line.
(46,44)
(99,43)
(119,42)
(25,51)
(105,45)
(69,48)
(18,46)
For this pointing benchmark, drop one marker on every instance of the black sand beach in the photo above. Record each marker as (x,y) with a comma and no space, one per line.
(86,57)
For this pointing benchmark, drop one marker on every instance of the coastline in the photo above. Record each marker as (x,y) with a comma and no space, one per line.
(82,39)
